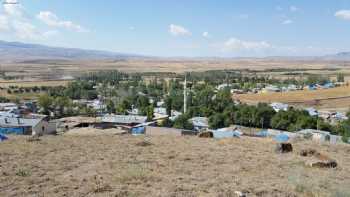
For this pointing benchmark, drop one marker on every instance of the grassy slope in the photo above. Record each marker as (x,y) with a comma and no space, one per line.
(172,166)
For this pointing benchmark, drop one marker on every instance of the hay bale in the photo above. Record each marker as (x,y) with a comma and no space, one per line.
(206,134)
(284,148)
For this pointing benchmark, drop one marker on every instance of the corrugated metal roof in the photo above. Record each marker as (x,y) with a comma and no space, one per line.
(124,119)
(18,122)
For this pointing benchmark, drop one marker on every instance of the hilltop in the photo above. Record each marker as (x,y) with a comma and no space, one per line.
(110,165)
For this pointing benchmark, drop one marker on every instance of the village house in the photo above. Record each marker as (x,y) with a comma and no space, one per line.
(279,107)
(199,123)
(128,120)
(312,111)
(27,126)
(271,88)
(8,107)
(320,136)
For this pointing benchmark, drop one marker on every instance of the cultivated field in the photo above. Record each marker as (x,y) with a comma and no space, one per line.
(334,98)
(61,69)
(111,165)
(6,84)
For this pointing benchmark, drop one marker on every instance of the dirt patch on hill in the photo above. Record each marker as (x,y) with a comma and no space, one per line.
(171,166)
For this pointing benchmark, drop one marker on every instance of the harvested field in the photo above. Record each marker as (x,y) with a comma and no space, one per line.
(334,98)
(59,69)
(168,166)
(6,84)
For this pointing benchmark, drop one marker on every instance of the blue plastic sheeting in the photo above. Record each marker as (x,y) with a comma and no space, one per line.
(3,137)
(263,133)
(12,130)
(282,137)
(138,130)
(226,134)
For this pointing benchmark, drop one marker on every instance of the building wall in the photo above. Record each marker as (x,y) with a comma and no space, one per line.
(158,131)
(45,128)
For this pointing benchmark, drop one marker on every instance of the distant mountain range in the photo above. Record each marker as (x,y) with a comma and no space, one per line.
(16,52)
(343,56)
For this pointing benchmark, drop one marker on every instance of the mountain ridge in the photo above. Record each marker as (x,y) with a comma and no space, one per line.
(18,51)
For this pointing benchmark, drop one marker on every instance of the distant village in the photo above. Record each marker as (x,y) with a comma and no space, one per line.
(26,118)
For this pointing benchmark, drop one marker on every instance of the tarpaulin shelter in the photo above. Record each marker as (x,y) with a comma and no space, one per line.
(138,130)
(263,133)
(223,133)
(282,137)
(3,137)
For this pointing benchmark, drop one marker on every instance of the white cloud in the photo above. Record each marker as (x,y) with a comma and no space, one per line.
(293,8)
(16,22)
(13,8)
(52,20)
(234,44)
(4,24)
(343,14)
(24,30)
(206,34)
(287,22)
(236,47)
(19,24)
(131,28)
(177,30)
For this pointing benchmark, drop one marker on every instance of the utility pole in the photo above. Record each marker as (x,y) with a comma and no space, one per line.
(185,94)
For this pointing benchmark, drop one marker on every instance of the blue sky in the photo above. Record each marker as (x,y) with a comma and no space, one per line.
(226,28)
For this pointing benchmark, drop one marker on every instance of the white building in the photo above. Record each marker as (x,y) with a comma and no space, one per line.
(8,106)
(279,107)
(27,126)
(320,136)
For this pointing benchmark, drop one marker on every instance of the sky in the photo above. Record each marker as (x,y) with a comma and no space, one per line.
(190,28)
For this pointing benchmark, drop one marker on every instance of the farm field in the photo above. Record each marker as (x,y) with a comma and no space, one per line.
(334,98)
(6,84)
(59,69)
(111,165)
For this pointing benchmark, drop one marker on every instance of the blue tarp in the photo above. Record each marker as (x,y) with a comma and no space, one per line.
(12,130)
(312,87)
(328,85)
(138,130)
(282,137)
(263,133)
(3,137)
(219,134)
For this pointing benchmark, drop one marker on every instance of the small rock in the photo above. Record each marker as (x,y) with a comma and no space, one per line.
(284,148)
(240,194)
(206,134)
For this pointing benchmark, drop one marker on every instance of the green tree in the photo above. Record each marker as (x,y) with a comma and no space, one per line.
(150,112)
(340,77)
(110,106)
(60,104)
(218,120)
(182,122)
(45,102)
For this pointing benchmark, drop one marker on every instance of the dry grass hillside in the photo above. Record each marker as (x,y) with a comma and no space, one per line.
(111,165)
